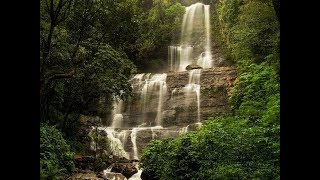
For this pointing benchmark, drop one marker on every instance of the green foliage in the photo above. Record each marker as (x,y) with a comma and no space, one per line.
(50,170)
(254,86)
(56,159)
(257,31)
(247,30)
(242,145)
(228,11)
(155,156)
(83,63)
(224,148)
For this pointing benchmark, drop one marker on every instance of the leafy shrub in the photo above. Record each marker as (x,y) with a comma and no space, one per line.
(56,158)
(224,148)
(257,83)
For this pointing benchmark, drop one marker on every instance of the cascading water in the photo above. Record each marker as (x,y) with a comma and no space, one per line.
(193,86)
(154,87)
(196,20)
(152,91)
(205,59)
(179,57)
(116,114)
(134,143)
(136,176)
(123,135)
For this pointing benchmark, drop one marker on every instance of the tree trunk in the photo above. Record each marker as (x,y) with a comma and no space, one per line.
(276,6)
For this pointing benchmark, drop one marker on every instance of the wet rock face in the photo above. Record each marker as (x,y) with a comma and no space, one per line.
(178,108)
(215,88)
(85,175)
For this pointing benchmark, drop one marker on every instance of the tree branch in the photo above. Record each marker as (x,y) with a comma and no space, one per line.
(55,76)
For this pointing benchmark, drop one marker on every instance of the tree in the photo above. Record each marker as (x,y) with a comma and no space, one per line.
(78,67)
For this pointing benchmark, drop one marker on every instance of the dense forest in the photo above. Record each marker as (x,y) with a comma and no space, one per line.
(89,49)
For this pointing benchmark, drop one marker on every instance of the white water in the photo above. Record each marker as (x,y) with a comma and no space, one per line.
(136,176)
(137,80)
(107,170)
(122,135)
(134,143)
(184,130)
(162,92)
(196,17)
(155,86)
(115,143)
(188,22)
(180,57)
(205,59)
(193,86)
(117,119)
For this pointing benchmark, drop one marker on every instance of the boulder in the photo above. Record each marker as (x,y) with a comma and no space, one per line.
(127,169)
(193,66)
(84,162)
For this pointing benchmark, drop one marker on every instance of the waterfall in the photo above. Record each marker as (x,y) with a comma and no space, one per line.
(193,86)
(122,135)
(154,87)
(133,135)
(117,119)
(152,90)
(134,143)
(115,143)
(150,113)
(162,92)
(180,57)
(195,20)
(207,24)
(205,60)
